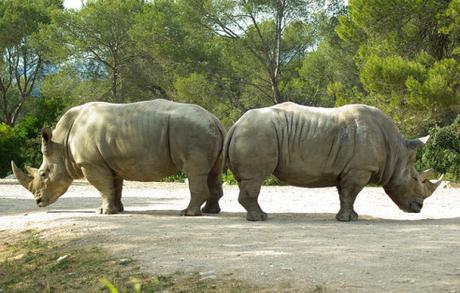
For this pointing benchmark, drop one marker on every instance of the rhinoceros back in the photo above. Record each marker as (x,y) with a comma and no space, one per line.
(142,141)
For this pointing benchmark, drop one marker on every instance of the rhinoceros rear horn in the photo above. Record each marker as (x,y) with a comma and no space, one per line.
(431,186)
(22,177)
(425,175)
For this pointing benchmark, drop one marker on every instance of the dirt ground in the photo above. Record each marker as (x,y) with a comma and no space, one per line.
(300,247)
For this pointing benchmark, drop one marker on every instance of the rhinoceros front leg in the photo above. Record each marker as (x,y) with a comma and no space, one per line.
(199,193)
(103,180)
(249,192)
(349,187)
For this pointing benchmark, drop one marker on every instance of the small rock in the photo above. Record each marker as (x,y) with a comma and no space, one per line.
(207,275)
(25,214)
(450,291)
(182,259)
(124,261)
(62,258)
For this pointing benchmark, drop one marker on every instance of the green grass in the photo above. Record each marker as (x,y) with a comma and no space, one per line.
(28,263)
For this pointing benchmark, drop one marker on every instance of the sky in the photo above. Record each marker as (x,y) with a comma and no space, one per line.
(76,4)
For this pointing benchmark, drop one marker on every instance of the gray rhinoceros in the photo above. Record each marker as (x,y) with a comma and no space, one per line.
(347,147)
(145,141)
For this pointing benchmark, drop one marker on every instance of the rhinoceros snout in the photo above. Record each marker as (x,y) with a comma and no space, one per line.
(415,207)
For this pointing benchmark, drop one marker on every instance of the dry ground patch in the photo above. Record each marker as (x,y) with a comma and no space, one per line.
(300,248)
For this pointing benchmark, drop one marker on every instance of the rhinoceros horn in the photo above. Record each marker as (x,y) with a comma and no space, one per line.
(426,174)
(417,143)
(431,186)
(24,179)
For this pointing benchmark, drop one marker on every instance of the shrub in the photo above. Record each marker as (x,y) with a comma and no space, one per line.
(442,152)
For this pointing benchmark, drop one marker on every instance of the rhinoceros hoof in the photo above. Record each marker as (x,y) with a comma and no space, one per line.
(347,216)
(188,212)
(106,211)
(120,208)
(215,209)
(256,216)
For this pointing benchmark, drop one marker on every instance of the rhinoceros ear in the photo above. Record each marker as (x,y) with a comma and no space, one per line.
(47,134)
(417,143)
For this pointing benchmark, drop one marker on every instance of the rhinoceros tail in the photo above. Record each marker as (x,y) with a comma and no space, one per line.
(219,165)
(228,139)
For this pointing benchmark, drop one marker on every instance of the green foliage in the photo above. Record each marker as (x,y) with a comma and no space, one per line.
(8,148)
(442,152)
(405,55)
(229,178)
(179,177)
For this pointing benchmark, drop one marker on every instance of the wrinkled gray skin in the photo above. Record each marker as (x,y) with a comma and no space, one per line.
(347,147)
(146,141)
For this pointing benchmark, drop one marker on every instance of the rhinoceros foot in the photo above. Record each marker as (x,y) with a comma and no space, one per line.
(119,207)
(107,210)
(188,212)
(256,216)
(346,215)
(211,209)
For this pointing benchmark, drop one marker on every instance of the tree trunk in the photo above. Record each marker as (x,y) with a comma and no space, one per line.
(275,62)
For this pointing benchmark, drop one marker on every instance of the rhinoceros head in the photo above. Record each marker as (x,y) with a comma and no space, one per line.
(51,180)
(408,188)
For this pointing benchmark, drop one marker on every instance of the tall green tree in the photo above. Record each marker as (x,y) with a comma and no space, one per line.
(273,33)
(97,37)
(407,57)
(23,56)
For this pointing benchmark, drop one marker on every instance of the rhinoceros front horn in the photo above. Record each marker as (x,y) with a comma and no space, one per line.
(24,179)
(431,186)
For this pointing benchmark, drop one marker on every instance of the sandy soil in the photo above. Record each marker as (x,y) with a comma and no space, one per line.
(300,247)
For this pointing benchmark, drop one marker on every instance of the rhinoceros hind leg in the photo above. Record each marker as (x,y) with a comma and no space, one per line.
(349,187)
(199,193)
(118,183)
(215,189)
(249,192)
(346,215)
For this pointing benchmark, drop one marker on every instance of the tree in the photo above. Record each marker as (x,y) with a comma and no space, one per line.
(23,57)
(275,33)
(97,37)
(407,58)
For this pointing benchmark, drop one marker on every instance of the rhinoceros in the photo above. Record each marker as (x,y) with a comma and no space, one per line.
(347,147)
(144,141)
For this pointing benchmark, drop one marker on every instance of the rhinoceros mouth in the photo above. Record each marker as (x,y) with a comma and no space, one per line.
(415,206)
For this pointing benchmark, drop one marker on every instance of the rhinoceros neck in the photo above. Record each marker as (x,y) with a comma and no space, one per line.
(395,159)
(63,131)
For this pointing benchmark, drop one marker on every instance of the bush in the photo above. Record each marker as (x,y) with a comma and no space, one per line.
(8,149)
(442,152)
(229,178)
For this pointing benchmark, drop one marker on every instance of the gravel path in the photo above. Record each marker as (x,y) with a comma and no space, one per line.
(300,247)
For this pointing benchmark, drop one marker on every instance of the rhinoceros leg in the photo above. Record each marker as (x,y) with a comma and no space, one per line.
(249,192)
(118,183)
(215,189)
(199,193)
(349,187)
(103,180)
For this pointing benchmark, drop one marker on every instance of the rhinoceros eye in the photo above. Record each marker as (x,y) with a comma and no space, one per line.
(43,173)
(415,178)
